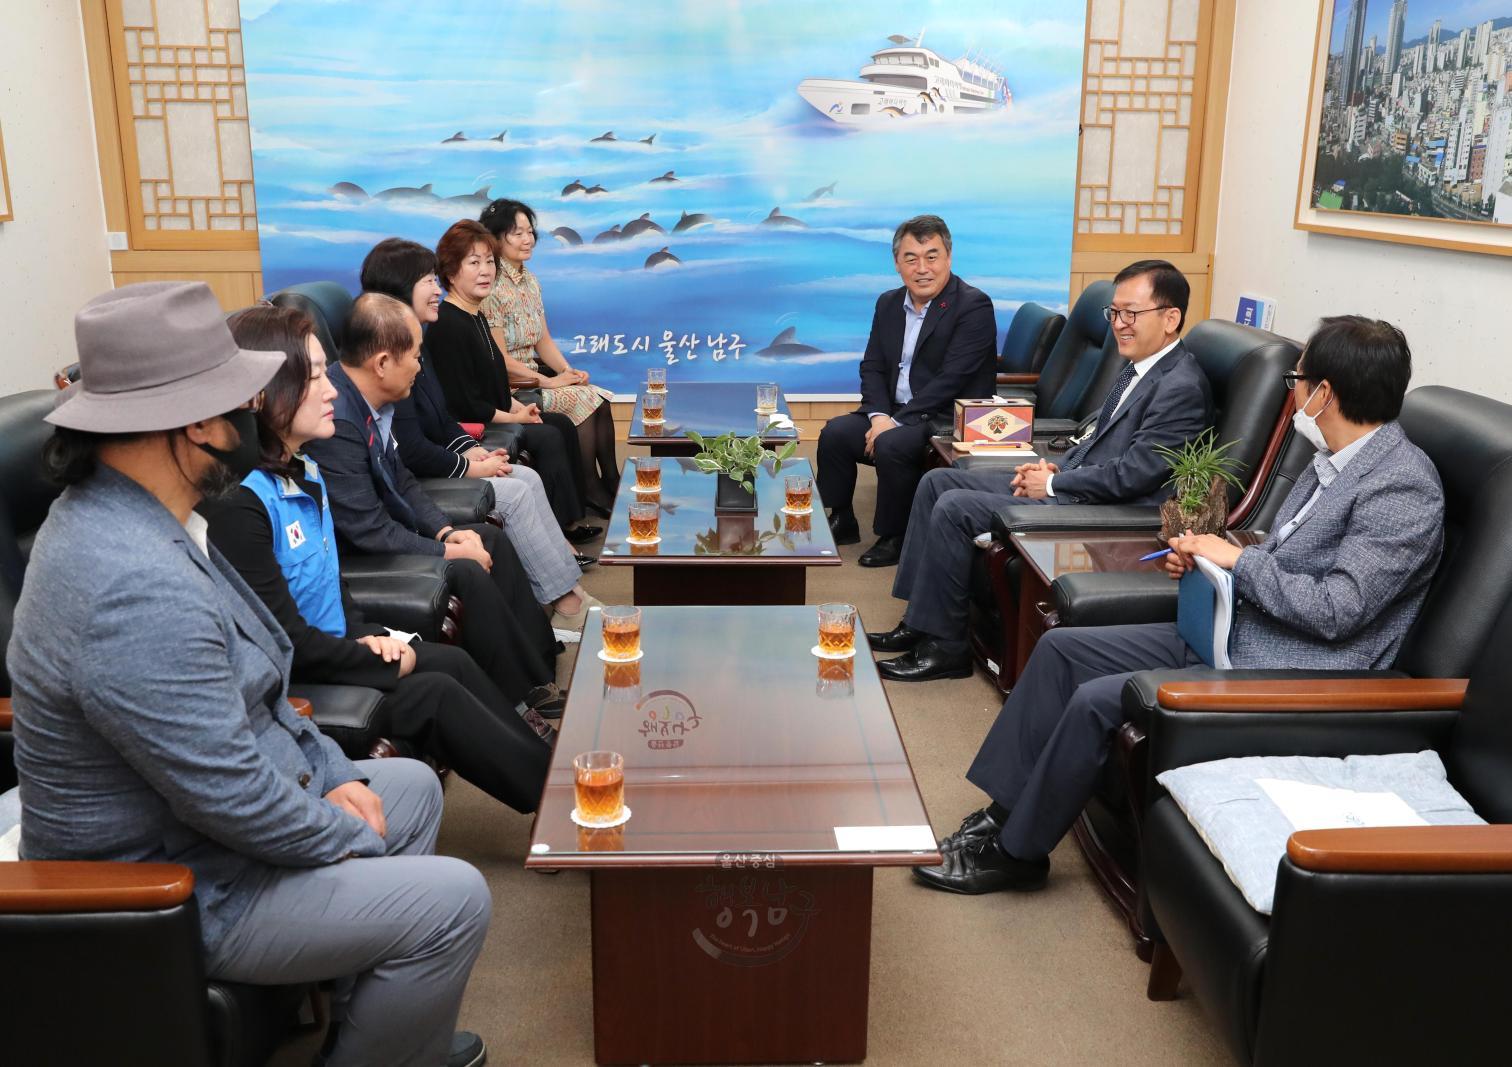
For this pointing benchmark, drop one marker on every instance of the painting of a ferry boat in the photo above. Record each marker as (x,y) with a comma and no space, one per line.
(907,80)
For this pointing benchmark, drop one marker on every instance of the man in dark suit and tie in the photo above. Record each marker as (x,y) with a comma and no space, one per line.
(1336,586)
(1161,398)
(932,341)
(379,509)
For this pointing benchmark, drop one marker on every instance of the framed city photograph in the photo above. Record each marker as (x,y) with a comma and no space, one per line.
(1409,124)
(6,214)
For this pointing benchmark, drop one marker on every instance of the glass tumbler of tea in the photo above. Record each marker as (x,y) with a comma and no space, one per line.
(647,474)
(622,631)
(656,379)
(652,406)
(599,779)
(800,489)
(644,517)
(766,399)
(837,630)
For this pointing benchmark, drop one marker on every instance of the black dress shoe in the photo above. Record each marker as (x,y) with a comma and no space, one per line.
(926,662)
(584,562)
(581,535)
(844,528)
(900,638)
(884,553)
(981,866)
(974,827)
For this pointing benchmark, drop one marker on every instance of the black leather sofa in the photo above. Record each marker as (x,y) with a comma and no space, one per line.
(1027,343)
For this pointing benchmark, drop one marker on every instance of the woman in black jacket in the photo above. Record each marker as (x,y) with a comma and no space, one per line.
(437,699)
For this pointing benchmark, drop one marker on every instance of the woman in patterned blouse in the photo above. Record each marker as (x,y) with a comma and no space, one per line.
(518,320)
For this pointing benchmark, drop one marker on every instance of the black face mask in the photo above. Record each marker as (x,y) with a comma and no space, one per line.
(237,462)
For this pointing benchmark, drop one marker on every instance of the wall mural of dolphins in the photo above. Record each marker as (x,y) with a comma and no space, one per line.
(695,173)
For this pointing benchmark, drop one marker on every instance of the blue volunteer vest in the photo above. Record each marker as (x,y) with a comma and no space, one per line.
(304,543)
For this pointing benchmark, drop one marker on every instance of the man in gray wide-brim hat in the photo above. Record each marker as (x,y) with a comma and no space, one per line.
(146,672)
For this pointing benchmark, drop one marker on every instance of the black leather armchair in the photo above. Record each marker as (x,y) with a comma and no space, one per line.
(26,492)
(329,306)
(1073,362)
(1028,341)
(1469,439)
(464,501)
(1384,945)
(1251,410)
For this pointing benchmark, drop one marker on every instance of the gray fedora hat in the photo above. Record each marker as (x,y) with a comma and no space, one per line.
(156,356)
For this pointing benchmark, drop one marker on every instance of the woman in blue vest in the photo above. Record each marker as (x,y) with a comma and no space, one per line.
(277,532)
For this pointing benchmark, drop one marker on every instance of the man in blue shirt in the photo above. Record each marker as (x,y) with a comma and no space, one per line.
(932,341)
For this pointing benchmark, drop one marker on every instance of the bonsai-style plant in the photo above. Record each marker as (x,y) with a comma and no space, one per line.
(735,460)
(1201,471)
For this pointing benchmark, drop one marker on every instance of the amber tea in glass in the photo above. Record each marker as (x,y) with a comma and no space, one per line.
(647,474)
(837,629)
(622,625)
(766,399)
(656,379)
(800,491)
(643,520)
(599,778)
(652,406)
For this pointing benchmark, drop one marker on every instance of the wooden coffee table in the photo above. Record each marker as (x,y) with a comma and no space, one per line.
(719,558)
(710,408)
(731,914)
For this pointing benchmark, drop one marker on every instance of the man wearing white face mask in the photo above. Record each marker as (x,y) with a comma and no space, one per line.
(1336,585)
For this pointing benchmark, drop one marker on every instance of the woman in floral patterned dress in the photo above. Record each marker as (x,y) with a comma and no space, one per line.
(518,320)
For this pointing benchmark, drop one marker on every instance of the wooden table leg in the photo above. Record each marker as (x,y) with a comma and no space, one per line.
(709,583)
(1028,624)
(734,965)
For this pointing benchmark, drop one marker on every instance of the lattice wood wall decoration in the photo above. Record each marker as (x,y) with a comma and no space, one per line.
(1143,96)
(181,106)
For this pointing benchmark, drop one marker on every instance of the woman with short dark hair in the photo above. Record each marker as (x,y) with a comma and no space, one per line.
(517,317)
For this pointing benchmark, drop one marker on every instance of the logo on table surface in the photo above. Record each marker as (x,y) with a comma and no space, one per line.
(755,920)
(667,717)
(295,533)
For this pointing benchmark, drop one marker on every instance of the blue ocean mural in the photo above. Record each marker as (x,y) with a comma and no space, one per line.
(716,183)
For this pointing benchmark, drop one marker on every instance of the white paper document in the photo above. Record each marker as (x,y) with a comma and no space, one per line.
(1223,609)
(884,839)
(1321,807)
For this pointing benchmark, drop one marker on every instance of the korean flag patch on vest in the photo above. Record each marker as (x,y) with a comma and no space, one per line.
(295,533)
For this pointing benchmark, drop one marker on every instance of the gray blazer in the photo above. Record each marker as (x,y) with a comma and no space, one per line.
(1168,406)
(151,720)
(1342,591)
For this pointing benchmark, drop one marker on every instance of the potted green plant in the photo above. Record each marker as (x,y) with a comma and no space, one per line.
(1201,472)
(734,460)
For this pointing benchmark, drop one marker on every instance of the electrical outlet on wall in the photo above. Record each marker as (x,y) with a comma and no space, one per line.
(116,240)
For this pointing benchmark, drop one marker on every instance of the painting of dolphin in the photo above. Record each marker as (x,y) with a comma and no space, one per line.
(502,134)
(458,136)
(688,222)
(607,135)
(594,190)
(640,226)
(348,191)
(662,258)
(574,186)
(777,218)
(823,191)
(567,235)
(473,201)
(401,194)
(611,234)
(647,140)
(786,344)
(670,176)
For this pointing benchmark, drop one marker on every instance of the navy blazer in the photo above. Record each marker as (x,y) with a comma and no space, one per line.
(955,355)
(377,506)
(1169,405)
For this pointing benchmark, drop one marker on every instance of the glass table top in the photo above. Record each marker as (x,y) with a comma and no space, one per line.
(690,530)
(740,747)
(710,408)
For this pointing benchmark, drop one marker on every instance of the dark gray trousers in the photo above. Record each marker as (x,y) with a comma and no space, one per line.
(1042,757)
(950,508)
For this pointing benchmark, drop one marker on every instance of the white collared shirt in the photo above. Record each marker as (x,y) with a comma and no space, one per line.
(1140,370)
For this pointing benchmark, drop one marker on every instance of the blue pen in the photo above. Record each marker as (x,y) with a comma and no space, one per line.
(1155,555)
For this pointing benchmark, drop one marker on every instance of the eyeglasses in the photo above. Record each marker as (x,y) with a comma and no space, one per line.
(1113,314)
(1292,377)
(255,405)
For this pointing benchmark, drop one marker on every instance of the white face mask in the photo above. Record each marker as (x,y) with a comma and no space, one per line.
(1307,425)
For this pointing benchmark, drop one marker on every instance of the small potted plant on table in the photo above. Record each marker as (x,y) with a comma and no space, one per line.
(1201,472)
(734,460)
